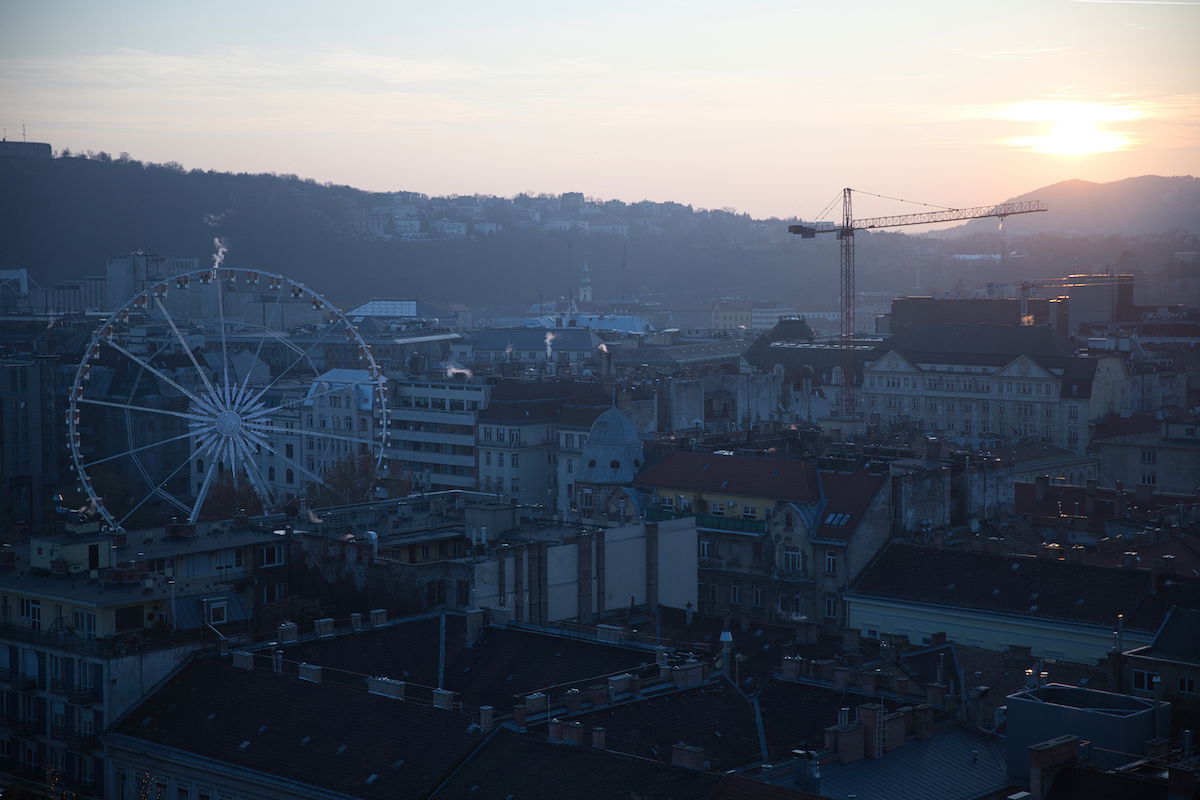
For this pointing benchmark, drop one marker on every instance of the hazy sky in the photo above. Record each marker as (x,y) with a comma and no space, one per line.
(766,107)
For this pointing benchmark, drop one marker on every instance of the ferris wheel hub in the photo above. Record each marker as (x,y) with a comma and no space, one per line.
(228,423)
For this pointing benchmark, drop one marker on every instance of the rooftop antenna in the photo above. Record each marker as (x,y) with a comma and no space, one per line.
(624,263)
(22,130)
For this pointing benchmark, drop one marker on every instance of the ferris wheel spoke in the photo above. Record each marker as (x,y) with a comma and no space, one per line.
(224,344)
(138,449)
(265,445)
(200,495)
(311,395)
(268,332)
(183,343)
(158,490)
(253,474)
(127,407)
(163,376)
(307,352)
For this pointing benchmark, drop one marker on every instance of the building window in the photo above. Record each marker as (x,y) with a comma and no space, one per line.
(792,560)
(830,562)
(1149,457)
(1187,685)
(1150,478)
(705,548)
(756,595)
(831,607)
(1144,681)
(487,434)
(487,458)
(30,611)
(516,485)
(271,555)
(749,512)
(735,594)
(513,460)
(217,610)
(717,509)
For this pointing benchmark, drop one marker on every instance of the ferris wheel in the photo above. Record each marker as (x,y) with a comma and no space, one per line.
(220,389)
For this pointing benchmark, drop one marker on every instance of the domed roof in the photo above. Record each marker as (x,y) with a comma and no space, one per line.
(613,452)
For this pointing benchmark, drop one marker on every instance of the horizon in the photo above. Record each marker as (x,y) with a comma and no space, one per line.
(697,105)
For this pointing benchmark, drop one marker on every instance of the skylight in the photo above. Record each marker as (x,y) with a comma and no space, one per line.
(837,519)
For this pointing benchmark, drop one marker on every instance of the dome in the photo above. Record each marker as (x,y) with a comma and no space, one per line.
(613,453)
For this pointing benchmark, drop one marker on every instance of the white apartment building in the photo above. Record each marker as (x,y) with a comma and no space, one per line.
(981,382)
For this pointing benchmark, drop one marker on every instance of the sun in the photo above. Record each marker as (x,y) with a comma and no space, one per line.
(1075,128)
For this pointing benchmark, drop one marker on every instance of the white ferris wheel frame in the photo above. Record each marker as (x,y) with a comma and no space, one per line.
(228,421)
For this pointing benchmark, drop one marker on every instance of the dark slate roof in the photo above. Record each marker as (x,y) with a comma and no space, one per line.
(772,478)
(954,764)
(848,497)
(1072,501)
(675,355)
(739,787)
(795,715)
(528,339)
(501,663)
(713,716)
(1178,639)
(1025,585)
(297,730)
(513,766)
(952,343)
(1088,783)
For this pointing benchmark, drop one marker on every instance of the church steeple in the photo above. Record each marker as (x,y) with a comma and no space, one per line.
(585,284)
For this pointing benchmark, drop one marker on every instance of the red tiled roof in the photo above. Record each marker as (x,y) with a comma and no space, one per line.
(773,478)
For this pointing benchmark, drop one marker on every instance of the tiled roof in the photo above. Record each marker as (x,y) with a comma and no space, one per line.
(954,764)
(978,344)
(848,497)
(772,478)
(795,715)
(502,663)
(714,717)
(324,735)
(511,766)
(739,787)
(1178,639)
(1025,585)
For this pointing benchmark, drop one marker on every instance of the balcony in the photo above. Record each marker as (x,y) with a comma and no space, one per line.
(26,727)
(58,686)
(710,521)
(734,524)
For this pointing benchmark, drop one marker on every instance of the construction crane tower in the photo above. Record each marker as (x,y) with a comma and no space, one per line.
(848,406)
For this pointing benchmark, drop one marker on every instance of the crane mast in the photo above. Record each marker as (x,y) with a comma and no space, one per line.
(848,405)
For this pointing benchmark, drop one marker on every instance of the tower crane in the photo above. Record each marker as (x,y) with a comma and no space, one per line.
(845,234)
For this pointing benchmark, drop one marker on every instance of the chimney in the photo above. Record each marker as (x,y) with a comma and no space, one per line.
(323,626)
(277,661)
(1041,487)
(554,730)
(1144,494)
(386,687)
(519,715)
(356,621)
(1129,559)
(288,631)
(309,672)
(791,666)
(598,738)
(1089,505)
(243,659)
(923,721)
(1075,553)
(1121,502)
(486,716)
(843,717)
(574,700)
(573,733)
(1168,564)
(378,616)
(1047,758)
